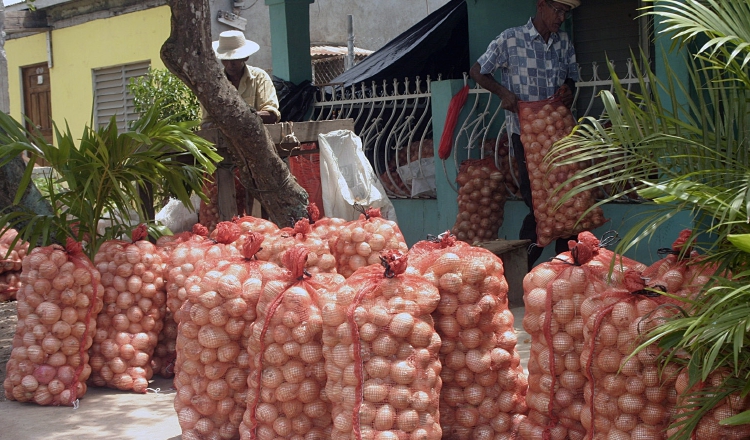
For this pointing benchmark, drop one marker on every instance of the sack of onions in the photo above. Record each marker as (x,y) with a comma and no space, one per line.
(327,228)
(10,282)
(165,352)
(128,327)
(212,363)
(208,213)
(381,354)
(188,254)
(542,124)
(692,393)
(481,200)
(627,396)
(11,254)
(287,370)
(484,385)
(60,296)
(319,258)
(553,294)
(682,272)
(360,242)
(253,224)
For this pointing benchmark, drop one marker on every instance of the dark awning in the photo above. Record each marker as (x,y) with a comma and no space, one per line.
(439,44)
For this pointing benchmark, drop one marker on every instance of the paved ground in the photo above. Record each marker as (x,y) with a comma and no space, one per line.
(116,415)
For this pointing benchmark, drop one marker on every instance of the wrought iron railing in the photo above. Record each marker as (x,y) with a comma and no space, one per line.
(394,121)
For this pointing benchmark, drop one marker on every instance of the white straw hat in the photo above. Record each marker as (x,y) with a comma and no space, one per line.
(233,45)
(572,3)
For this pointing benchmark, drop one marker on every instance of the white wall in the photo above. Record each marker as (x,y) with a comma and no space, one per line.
(375,22)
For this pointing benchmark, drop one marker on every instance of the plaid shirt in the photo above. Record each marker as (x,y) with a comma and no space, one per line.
(531,68)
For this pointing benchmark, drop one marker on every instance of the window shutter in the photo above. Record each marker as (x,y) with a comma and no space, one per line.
(111,95)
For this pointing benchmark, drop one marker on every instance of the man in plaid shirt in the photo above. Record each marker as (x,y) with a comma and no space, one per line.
(536,60)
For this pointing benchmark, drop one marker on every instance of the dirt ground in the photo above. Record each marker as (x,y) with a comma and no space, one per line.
(8,320)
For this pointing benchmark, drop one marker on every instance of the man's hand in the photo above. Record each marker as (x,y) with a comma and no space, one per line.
(509,101)
(566,95)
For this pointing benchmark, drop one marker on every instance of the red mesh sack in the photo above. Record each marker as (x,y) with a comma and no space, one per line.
(10,282)
(553,294)
(187,256)
(708,428)
(59,299)
(327,228)
(306,169)
(128,328)
(162,361)
(212,363)
(542,124)
(208,212)
(682,272)
(381,354)
(11,254)
(287,370)
(253,224)
(484,386)
(360,242)
(319,258)
(481,200)
(626,396)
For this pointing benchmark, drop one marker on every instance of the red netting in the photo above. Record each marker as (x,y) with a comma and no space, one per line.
(484,385)
(306,169)
(481,200)
(553,294)
(286,357)
(381,355)
(319,259)
(709,428)
(60,295)
(626,396)
(128,328)
(212,363)
(326,228)
(11,262)
(188,251)
(542,124)
(360,242)
(10,282)
(208,213)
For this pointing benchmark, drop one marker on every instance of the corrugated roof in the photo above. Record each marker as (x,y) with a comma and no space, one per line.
(328,51)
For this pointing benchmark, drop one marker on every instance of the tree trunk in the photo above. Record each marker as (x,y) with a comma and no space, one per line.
(32,200)
(188,54)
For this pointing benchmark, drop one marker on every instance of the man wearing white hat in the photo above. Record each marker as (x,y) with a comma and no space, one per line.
(254,84)
(536,60)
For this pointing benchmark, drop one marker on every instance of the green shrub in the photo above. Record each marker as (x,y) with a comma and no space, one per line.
(177,103)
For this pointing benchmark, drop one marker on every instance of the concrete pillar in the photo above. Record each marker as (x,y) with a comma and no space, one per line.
(290,39)
(4,91)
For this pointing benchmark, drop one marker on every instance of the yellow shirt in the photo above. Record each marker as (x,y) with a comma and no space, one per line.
(256,88)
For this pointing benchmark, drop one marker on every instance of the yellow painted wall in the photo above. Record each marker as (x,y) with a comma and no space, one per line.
(77,50)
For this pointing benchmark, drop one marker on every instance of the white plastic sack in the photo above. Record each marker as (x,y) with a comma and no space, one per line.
(178,217)
(419,175)
(347,178)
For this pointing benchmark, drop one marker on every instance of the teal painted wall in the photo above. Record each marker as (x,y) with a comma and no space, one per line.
(417,218)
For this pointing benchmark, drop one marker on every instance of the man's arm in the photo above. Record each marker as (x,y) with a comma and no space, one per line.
(509,100)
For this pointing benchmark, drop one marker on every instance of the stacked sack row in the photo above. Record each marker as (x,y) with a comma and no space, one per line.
(587,311)
(12,251)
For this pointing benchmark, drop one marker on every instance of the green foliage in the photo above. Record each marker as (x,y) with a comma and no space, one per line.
(176,102)
(685,146)
(101,175)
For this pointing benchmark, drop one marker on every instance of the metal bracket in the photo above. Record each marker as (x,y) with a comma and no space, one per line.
(233,20)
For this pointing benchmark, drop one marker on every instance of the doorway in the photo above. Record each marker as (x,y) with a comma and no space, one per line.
(37,106)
